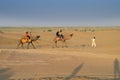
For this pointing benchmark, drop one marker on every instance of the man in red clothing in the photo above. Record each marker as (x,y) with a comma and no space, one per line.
(27,35)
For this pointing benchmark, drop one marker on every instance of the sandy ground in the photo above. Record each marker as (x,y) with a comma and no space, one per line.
(78,57)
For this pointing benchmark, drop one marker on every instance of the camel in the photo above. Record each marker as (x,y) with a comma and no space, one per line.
(28,41)
(67,37)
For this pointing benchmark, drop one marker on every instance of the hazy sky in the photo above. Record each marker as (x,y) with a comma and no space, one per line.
(59,12)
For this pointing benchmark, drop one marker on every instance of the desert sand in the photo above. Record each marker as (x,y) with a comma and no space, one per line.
(78,59)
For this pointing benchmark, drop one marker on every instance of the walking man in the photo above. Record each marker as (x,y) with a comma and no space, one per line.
(93,42)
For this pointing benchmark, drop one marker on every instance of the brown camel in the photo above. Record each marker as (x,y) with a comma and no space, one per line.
(67,37)
(28,41)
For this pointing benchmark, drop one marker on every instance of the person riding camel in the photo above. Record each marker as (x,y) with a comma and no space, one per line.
(59,34)
(27,35)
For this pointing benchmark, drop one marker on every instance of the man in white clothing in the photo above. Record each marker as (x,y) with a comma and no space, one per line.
(93,42)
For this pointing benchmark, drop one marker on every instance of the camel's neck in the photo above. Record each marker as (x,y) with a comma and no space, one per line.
(36,38)
(68,37)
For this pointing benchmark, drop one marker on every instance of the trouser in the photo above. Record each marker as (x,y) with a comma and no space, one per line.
(93,44)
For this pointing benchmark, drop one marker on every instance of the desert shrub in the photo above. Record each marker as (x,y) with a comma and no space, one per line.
(85,30)
(49,30)
(76,29)
(83,45)
(93,30)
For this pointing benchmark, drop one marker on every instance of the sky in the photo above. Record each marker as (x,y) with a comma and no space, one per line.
(59,12)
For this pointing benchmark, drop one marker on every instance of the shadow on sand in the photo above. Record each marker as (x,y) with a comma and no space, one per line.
(4,74)
(116,69)
(74,72)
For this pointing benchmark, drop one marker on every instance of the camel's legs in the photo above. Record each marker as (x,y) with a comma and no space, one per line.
(22,45)
(56,44)
(28,45)
(33,45)
(18,45)
(64,44)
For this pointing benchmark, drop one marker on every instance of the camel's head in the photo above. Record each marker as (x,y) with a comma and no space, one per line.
(71,35)
(38,37)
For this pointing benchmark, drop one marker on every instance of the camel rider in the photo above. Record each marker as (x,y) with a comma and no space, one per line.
(59,34)
(27,36)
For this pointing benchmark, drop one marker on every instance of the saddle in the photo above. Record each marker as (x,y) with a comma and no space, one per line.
(58,38)
(25,39)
